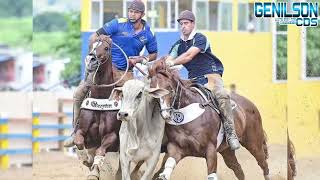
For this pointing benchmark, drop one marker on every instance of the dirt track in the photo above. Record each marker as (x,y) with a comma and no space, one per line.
(23,173)
(56,165)
(308,168)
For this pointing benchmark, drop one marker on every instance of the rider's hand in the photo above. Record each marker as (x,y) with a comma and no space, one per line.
(138,59)
(132,61)
(169,63)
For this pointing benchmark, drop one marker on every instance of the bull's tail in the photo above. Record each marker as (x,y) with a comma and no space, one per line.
(265,145)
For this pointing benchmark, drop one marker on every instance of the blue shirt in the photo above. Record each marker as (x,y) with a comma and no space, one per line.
(122,33)
(204,62)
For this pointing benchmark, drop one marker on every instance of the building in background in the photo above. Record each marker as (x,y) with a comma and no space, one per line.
(15,69)
(47,73)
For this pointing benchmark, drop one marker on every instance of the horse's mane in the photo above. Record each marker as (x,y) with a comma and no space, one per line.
(102,37)
(160,67)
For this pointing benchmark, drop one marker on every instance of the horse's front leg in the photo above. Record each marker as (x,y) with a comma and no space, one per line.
(86,120)
(175,155)
(211,158)
(99,159)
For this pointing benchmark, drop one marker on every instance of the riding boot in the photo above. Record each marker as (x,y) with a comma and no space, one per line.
(224,102)
(78,96)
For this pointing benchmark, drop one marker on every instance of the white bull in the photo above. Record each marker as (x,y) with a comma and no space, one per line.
(142,126)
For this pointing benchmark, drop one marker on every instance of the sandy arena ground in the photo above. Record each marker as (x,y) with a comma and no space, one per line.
(308,168)
(56,165)
(23,173)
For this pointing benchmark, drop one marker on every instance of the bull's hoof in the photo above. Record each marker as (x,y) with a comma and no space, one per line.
(161,178)
(93,174)
(92,177)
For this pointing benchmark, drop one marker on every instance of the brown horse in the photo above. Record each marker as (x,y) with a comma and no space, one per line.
(98,130)
(199,137)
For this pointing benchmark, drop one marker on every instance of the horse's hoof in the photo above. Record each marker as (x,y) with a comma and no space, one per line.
(69,142)
(267,177)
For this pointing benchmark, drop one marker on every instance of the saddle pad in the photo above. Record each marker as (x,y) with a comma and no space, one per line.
(100,104)
(186,114)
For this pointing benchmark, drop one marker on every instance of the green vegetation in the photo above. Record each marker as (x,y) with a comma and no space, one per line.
(49,22)
(16,8)
(71,46)
(62,44)
(45,43)
(16,31)
(282,58)
(313,52)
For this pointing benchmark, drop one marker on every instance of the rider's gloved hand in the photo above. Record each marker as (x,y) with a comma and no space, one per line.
(170,63)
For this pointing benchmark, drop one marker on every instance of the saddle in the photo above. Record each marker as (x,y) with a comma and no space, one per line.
(207,95)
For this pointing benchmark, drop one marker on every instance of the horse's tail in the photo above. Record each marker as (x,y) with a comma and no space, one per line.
(291,156)
(265,145)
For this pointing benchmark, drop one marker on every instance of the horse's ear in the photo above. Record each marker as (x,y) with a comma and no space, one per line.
(116,94)
(157,92)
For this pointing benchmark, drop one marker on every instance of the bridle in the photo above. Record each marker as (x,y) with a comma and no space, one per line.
(176,99)
(94,53)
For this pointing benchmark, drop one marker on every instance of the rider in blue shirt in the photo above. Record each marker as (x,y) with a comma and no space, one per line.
(123,33)
(132,34)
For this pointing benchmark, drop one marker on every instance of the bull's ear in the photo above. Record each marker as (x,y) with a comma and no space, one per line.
(157,92)
(116,94)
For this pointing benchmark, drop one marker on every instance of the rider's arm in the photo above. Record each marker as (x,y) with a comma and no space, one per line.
(109,28)
(152,57)
(151,47)
(169,58)
(173,53)
(200,46)
(187,56)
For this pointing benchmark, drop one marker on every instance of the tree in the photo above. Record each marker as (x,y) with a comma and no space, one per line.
(49,22)
(71,47)
(313,52)
(16,8)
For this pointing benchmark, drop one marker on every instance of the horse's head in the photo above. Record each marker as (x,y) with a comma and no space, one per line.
(162,77)
(158,65)
(100,52)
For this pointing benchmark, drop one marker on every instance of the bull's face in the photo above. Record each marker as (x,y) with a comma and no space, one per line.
(130,104)
(134,94)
